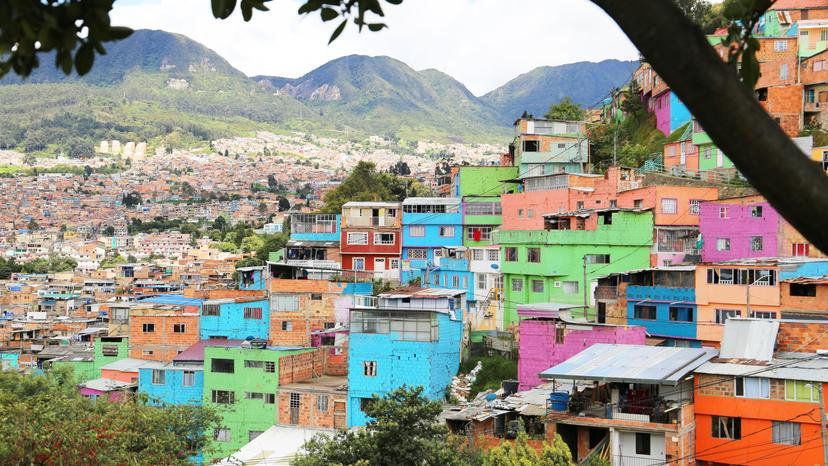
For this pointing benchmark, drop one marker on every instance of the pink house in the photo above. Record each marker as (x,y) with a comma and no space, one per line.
(550,335)
(739,228)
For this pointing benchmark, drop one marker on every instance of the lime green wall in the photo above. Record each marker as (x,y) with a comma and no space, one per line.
(483,181)
(90,370)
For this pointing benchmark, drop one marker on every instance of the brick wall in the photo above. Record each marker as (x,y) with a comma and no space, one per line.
(720,385)
(163,344)
(299,367)
(222,293)
(310,414)
(806,337)
(785,104)
(335,364)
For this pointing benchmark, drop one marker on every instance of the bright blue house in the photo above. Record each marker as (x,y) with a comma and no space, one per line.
(663,300)
(410,336)
(235,318)
(252,278)
(429,224)
(174,385)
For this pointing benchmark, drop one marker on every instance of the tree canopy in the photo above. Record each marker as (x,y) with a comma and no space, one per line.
(566,109)
(366,183)
(44,420)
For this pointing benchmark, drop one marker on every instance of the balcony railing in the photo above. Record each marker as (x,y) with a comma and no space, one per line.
(655,411)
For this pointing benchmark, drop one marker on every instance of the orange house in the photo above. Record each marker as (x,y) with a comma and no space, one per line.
(754,407)
(162,332)
(125,370)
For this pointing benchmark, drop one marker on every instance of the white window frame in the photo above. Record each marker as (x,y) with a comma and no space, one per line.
(420,254)
(695,205)
(669,205)
(378,238)
(360,260)
(369,368)
(723,244)
(447,231)
(416,231)
(159,377)
(353,236)
(187,378)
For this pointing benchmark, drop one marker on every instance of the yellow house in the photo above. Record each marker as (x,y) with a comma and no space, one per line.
(820,154)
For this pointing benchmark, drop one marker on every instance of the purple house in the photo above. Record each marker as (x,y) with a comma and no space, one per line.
(739,228)
(660,106)
(549,335)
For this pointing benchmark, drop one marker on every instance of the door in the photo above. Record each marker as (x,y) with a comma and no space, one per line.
(379,264)
(339,418)
(375,218)
(683,158)
(294,408)
(719,158)
(359,263)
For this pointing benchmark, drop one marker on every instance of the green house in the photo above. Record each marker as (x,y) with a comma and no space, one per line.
(106,350)
(548,266)
(240,383)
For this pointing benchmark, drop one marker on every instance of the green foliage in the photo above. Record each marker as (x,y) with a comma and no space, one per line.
(112,261)
(635,139)
(131,200)
(495,370)
(54,263)
(46,421)
(566,109)
(520,453)
(365,183)
(403,430)
(742,17)
(8,267)
(269,244)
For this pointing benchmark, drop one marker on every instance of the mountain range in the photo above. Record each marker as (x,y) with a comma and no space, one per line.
(166,88)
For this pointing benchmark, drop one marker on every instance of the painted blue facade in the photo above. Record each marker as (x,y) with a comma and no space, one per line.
(452,274)
(811,268)
(252,278)
(175,299)
(359,288)
(679,114)
(681,300)
(413,363)
(231,323)
(172,391)
(431,225)
(9,361)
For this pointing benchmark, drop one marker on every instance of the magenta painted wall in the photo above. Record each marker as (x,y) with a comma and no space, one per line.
(661,108)
(739,227)
(538,351)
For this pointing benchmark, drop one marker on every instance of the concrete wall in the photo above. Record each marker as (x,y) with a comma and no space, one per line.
(662,298)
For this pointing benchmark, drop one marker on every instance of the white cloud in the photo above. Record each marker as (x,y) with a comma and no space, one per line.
(482,43)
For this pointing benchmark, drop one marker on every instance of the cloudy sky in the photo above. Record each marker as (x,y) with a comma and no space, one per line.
(482,43)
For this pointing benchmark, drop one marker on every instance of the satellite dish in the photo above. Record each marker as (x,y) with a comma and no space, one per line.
(495,266)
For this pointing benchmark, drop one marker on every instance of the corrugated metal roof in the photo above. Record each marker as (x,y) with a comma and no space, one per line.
(431,201)
(371,204)
(106,385)
(631,364)
(749,339)
(128,365)
(796,366)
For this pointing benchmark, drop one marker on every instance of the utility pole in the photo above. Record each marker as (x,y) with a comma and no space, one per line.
(586,296)
(615,145)
(822,424)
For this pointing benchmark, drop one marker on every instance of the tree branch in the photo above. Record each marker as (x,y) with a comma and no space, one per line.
(728,111)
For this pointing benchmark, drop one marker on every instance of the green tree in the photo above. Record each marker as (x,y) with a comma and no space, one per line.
(284,204)
(403,430)
(56,425)
(8,267)
(33,225)
(111,261)
(566,109)
(365,183)
(271,243)
(109,230)
(520,453)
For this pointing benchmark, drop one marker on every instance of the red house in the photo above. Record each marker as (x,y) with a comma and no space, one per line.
(371,238)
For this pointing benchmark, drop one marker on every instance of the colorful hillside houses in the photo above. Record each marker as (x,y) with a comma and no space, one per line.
(411,336)
(748,227)
(172,384)
(252,278)
(560,263)
(235,318)
(429,226)
(544,146)
(658,99)
(758,403)
(314,243)
(371,238)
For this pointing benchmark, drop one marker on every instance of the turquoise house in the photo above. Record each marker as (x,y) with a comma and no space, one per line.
(411,336)
(235,318)
(429,226)
(172,385)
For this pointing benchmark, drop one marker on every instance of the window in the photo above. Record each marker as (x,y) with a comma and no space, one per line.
(148,328)
(579,205)
(723,314)
(188,378)
(394,264)
(391,213)
(221,434)
(446,232)
(455,281)
(780,46)
(322,403)
(802,289)
(756,243)
(570,287)
(252,313)
(369,368)
(359,238)
(642,311)
(479,233)
(224,397)
(753,387)
(316,297)
(287,326)
(723,244)
(147,352)
(511,255)
(694,206)
(481,281)
(418,253)
(517,284)
(284,302)
(786,433)
(179,328)
(800,249)
(752,277)
(638,203)
(416,231)
(669,206)
(211,310)
(493,254)
(226,366)
(810,95)
(270,398)
(723,212)
(763,314)
(783,71)
(597,258)
(537,286)
(384,238)
(613,203)
(801,390)
(477,254)
(248,364)
(294,400)
(533,255)
(560,334)
(642,443)
(671,151)
(158,376)
(727,427)
(270,366)
(530,146)
(756,211)
(681,313)
(823,35)
(520,212)
(253,396)
(530,213)
(109,350)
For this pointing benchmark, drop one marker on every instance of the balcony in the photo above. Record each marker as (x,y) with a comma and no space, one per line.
(636,406)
